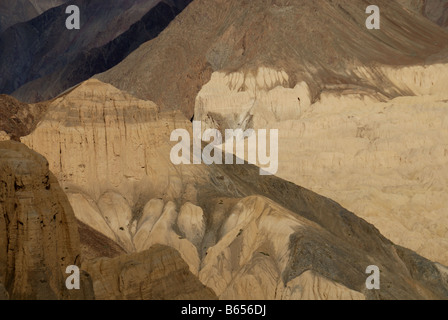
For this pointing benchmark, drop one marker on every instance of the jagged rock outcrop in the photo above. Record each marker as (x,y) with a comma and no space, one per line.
(156,274)
(354,125)
(245,236)
(16,11)
(384,159)
(111,154)
(38,230)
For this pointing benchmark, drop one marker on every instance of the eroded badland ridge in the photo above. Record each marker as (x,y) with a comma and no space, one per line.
(360,112)
(362,161)
(234,228)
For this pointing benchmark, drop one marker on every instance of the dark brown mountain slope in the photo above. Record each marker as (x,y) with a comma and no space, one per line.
(19,119)
(437,11)
(43,48)
(320,42)
(16,11)
(83,64)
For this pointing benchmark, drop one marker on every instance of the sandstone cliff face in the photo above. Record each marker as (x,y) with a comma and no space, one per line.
(156,274)
(39,239)
(244,236)
(38,231)
(112,154)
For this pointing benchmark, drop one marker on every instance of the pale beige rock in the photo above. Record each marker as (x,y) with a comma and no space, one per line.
(191,222)
(243,235)
(151,213)
(321,48)
(4,136)
(117,213)
(89,213)
(384,159)
(108,149)
(162,232)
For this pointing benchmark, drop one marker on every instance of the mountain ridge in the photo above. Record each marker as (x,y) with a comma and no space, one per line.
(245,35)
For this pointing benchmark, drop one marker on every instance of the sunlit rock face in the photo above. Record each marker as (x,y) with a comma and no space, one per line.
(361,120)
(242,235)
(384,159)
(360,112)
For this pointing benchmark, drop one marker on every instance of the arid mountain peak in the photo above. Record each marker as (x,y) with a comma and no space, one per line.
(320,42)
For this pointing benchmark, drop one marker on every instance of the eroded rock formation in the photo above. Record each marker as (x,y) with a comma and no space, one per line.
(38,230)
(243,235)
(18,119)
(156,274)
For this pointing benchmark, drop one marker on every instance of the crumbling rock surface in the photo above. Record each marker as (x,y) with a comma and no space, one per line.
(38,230)
(156,274)
(243,235)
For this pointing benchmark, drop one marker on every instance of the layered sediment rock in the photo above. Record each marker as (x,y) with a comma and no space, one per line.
(360,112)
(38,230)
(317,42)
(18,119)
(382,158)
(156,274)
(242,235)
